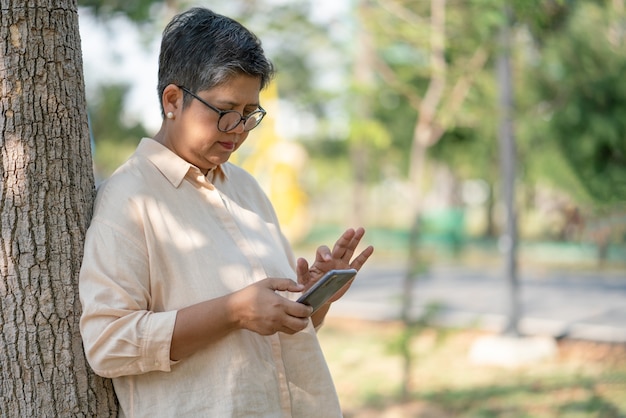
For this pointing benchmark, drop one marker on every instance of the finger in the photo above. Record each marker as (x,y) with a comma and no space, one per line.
(296,324)
(358,234)
(354,243)
(297,321)
(291,325)
(342,245)
(358,262)
(323,254)
(347,244)
(298,310)
(284,284)
(302,271)
(292,328)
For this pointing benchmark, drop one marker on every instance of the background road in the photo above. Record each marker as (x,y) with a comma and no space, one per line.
(588,305)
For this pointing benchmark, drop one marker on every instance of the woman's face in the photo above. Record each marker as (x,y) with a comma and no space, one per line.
(193,133)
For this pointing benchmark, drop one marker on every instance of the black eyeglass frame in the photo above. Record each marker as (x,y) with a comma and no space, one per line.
(221,113)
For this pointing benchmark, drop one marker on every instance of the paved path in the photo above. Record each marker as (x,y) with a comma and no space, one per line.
(583,305)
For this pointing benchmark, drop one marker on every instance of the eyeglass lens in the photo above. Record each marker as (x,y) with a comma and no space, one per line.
(229,120)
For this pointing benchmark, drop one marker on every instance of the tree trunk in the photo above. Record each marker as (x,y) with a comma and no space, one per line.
(424,135)
(508,239)
(47,188)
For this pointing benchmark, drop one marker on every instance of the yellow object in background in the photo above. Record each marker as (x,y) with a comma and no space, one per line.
(276,163)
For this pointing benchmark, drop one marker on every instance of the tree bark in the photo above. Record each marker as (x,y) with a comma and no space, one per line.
(47,189)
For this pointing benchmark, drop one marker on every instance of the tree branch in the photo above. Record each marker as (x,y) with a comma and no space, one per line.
(402,13)
(390,77)
(464,83)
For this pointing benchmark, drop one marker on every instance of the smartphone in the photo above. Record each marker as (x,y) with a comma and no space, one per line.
(326,287)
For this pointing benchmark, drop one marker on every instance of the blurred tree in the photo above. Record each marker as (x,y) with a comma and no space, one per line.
(107,113)
(469,147)
(508,171)
(415,59)
(580,103)
(367,134)
(435,79)
(580,76)
(136,10)
(115,137)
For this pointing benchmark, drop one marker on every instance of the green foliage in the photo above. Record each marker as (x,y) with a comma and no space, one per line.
(393,112)
(114,140)
(581,81)
(403,41)
(569,133)
(473,23)
(570,96)
(470,154)
(542,17)
(371,132)
(136,10)
(297,71)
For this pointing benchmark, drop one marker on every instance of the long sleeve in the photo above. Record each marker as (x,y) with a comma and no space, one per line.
(121,334)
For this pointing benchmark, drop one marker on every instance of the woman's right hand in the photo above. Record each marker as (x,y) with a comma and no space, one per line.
(260,309)
(257,308)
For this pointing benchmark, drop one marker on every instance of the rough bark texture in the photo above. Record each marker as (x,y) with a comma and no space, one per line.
(46,188)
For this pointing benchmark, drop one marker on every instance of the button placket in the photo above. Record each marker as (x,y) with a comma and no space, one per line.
(226,210)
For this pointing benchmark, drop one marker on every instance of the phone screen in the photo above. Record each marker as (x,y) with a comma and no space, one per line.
(326,287)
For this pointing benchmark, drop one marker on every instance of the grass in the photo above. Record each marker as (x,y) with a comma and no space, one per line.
(585,379)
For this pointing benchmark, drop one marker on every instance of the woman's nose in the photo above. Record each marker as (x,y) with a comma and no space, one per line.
(239,129)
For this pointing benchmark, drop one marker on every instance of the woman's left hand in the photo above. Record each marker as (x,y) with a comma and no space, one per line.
(339,258)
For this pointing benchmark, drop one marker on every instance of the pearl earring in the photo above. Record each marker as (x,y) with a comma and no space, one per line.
(170,115)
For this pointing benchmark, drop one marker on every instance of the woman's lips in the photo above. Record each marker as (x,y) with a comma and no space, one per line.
(230,146)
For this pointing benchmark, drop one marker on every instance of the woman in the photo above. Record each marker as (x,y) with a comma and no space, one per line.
(184,256)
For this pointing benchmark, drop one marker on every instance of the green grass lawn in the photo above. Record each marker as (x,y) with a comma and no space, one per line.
(585,379)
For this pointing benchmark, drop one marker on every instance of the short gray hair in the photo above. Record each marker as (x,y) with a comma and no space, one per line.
(201,49)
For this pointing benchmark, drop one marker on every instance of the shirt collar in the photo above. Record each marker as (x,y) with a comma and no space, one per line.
(173,167)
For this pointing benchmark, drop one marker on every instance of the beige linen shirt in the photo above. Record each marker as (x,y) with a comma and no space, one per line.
(163,237)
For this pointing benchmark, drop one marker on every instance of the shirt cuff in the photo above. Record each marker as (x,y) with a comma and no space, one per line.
(157,348)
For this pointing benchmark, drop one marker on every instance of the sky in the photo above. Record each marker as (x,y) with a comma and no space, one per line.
(116,53)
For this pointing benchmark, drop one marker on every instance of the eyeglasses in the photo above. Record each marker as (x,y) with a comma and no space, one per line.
(230,119)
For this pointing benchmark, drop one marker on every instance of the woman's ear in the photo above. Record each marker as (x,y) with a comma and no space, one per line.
(172,99)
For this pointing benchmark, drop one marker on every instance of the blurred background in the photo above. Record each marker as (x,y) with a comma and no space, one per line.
(482,143)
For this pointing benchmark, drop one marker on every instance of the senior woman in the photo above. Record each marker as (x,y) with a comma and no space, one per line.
(187,284)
